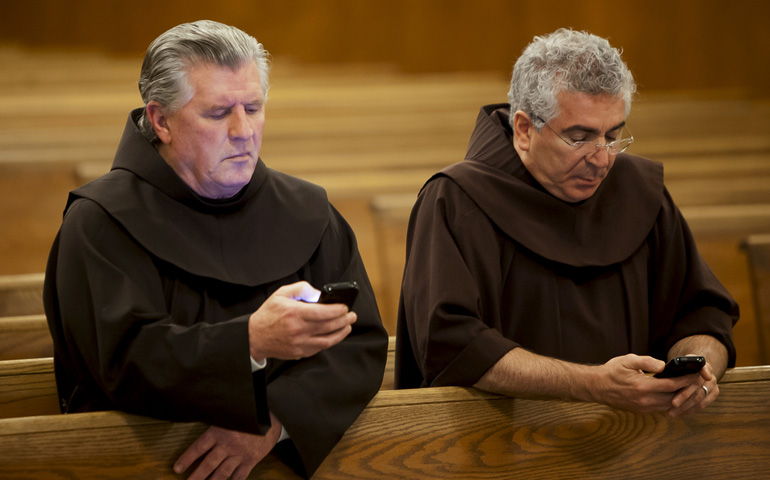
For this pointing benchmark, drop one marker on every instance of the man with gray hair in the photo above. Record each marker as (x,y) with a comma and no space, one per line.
(550,263)
(182,284)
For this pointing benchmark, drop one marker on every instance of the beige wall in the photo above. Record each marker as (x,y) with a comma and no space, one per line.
(669,44)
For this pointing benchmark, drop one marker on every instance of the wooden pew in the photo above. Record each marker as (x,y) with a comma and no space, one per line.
(448,432)
(757,248)
(463,433)
(21,294)
(103,445)
(335,119)
(25,337)
(28,386)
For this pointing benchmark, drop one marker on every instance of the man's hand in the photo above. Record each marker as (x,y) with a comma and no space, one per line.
(289,329)
(622,383)
(227,453)
(694,397)
(623,387)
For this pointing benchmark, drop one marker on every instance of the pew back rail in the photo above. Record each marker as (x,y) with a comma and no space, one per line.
(448,432)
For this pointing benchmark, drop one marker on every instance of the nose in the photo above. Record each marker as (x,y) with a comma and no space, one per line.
(600,158)
(240,125)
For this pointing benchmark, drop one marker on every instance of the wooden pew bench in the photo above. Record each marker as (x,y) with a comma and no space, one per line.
(447,432)
(27,388)
(335,120)
(25,337)
(757,249)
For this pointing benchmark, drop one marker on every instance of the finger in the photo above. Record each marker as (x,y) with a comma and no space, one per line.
(317,343)
(336,336)
(211,462)
(712,395)
(689,405)
(643,363)
(199,447)
(655,402)
(317,312)
(699,399)
(684,395)
(299,291)
(225,469)
(707,373)
(330,327)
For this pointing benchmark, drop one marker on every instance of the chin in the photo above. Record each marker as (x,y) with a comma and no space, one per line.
(579,196)
(233,183)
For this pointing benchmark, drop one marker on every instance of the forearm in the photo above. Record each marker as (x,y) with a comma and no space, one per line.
(524,374)
(706,345)
(619,383)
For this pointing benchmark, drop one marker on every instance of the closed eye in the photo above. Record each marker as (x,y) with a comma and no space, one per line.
(612,136)
(252,108)
(219,114)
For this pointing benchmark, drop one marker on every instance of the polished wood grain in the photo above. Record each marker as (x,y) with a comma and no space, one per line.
(27,388)
(757,248)
(25,337)
(687,44)
(448,432)
(102,445)
(497,437)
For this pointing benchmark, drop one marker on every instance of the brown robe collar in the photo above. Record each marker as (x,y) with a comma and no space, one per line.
(602,230)
(265,232)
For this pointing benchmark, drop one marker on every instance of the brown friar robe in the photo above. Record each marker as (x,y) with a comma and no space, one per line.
(149,289)
(495,262)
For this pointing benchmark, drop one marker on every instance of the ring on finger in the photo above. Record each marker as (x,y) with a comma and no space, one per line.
(705,389)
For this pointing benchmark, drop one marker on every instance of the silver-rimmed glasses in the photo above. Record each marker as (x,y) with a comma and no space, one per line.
(585,148)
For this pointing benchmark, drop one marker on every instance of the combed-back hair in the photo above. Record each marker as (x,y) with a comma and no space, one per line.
(566,60)
(170,56)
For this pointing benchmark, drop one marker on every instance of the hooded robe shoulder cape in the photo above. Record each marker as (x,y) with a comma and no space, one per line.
(149,289)
(495,262)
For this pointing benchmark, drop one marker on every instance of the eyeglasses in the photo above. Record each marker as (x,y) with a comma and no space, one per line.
(586,148)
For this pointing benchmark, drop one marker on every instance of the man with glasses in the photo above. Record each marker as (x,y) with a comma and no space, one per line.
(549,262)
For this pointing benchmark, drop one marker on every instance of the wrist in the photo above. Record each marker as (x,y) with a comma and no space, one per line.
(584,382)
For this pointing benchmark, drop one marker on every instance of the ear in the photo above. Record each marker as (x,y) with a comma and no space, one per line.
(156,114)
(522,130)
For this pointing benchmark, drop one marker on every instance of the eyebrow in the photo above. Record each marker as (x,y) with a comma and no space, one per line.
(591,130)
(217,107)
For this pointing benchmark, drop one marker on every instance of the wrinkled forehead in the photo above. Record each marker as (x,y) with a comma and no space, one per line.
(600,113)
(210,81)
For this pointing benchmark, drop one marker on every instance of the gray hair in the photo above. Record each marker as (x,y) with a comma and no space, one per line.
(566,60)
(170,56)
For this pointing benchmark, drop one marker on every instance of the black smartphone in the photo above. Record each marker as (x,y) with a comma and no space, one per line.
(678,366)
(343,292)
